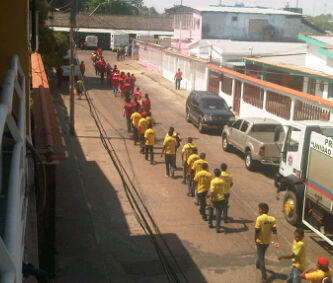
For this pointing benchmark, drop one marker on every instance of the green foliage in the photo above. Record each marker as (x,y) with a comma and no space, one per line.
(121,7)
(53,45)
(325,22)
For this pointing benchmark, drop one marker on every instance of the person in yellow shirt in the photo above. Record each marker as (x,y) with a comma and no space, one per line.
(150,137)
(169,150)
(150,119)
(189,174)
(197,167)
(142,127)
(187,150)
(265,226)
(203,179)
(135,118)
(298,257)
(321,274)
(216,195)
(227,177)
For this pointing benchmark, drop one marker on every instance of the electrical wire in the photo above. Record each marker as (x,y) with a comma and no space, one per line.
(137,203)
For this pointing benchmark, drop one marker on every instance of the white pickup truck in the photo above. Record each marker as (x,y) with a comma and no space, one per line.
(255,138)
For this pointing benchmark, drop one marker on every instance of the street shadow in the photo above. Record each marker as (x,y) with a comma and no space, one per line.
(243,228)
(96,240)
(275,276)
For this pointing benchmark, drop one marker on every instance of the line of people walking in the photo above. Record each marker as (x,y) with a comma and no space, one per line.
(212,191)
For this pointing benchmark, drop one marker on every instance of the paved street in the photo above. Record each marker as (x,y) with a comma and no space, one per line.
(98,238)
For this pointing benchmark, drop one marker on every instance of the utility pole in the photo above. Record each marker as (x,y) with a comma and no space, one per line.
(71,64)
(180,23)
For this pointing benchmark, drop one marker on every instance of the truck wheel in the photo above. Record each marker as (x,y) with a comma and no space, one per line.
(249,162)
(188,119)
(200,126)
(290,208)
(225,144)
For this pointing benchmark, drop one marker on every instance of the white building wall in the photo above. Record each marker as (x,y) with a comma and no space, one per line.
(223,25)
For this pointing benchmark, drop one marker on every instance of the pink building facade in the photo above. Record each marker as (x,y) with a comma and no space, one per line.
(187,29)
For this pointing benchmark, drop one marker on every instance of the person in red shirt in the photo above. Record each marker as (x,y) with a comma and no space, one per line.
(128,111)
(137,93)
(135,105)
(115,83)
(132,81)
(178,78)
(146,103)
(126,88)
(82,68)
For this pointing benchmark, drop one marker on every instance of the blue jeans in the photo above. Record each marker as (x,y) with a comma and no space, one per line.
(218,205)
(115,90)
(225,210)
(169,163)
(294,275)
(190,186)
(261,251)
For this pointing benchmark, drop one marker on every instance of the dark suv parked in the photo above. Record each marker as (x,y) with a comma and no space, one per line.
(207,110)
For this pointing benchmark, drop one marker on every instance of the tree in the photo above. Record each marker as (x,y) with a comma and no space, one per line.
(53,46)
(324,22)
(115,7)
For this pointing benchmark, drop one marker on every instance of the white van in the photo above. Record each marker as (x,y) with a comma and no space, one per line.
(65,67)
(92,41)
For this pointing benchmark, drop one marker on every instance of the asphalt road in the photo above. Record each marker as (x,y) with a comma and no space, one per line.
(204,255)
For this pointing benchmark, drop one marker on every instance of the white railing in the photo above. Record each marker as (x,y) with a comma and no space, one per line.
(12,244)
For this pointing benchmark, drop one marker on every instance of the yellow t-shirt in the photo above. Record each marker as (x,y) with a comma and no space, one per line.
(203,178)
(188,150)
(197,165)
(317,276)
(193,157)
(227,177)
(299,251)
(150,137)
(265,225)
(135,117)
(217,187)
(169,144)
(150,120)
(143,125)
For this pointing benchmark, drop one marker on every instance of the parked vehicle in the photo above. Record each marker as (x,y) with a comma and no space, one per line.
(255,138)
(118,39)
(305,174)
(207,110)
(66,66)
(91,42)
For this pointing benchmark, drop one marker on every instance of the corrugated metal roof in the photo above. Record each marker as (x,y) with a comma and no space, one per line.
(245,10)
(248,48)
(125,22)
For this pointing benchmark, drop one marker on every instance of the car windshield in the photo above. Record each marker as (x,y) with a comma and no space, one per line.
(214,104)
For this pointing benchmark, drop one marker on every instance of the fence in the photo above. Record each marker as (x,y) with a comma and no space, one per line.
(13,126)
(248,96)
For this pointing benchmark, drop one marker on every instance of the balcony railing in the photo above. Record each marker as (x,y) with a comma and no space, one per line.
(13,128)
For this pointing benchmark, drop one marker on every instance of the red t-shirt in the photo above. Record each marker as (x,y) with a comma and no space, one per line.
(132,80)
(178,75)
(146,104)
(134,106)
(136,93)
(115,80)
(128,109)
(126,87)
